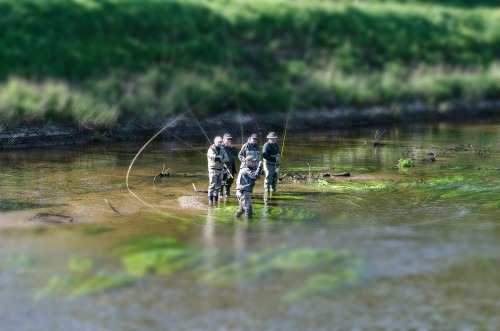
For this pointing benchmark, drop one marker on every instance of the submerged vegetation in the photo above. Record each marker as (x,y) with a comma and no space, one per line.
(130,60)
(324,270)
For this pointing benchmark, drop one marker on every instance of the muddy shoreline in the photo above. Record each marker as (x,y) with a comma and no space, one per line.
(41,134)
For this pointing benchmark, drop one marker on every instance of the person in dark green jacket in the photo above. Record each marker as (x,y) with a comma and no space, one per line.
(271,156)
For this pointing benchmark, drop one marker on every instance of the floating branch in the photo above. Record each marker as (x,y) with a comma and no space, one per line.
(109,203)
(163,173)
(202,191)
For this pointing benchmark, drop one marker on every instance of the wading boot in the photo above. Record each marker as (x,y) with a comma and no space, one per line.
(216,200)
(238,213)
(210,201)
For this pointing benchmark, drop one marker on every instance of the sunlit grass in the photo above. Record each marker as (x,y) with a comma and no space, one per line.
(156,56)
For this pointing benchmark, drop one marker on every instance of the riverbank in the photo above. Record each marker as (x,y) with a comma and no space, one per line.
(51,134)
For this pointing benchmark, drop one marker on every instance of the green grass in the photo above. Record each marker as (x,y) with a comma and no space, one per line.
(102,62)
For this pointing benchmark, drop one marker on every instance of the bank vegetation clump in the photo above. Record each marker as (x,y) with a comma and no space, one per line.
(102,62)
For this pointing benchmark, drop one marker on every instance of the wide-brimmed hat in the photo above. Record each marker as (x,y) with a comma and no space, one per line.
(227,136)
(272,135)
(250,158)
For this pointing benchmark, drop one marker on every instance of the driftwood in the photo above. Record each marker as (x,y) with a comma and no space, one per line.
(109,203)
(201,191)
(51,218)
(163,173)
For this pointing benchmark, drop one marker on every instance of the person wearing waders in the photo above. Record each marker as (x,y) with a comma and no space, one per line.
(244,185)
(271,156)
(251,147)
(216,156)
(232,153)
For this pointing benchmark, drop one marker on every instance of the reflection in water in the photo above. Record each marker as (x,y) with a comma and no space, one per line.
(412,230)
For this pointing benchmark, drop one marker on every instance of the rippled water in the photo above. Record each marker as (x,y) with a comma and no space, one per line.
(384,248)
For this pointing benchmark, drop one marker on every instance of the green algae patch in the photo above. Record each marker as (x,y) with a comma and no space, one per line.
(21,261)
(323,284)
(80,264)
(97,229)
(151,243)
(82,279)
(270,211)
(161,255)
(308,271)
(492,204)
(162,261)
(348,186)
(80,285)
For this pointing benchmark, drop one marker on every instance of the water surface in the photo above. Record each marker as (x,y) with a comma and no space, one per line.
(383,248)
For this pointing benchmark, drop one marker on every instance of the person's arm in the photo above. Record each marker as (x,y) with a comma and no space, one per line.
(224,156)
(242,153)
(211,157)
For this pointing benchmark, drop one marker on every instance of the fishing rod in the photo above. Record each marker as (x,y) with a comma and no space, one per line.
(197,150)
(233,75)
(293,97)
(164,128)
(137,155)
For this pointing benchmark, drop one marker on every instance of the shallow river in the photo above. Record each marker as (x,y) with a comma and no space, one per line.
(385,248)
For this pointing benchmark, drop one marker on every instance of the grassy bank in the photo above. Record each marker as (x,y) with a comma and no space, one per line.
(99,62)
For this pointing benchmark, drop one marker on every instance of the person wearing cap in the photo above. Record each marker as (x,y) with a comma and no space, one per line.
(232,153)
(244,185)
(271,155)
(217,157)
(251,147)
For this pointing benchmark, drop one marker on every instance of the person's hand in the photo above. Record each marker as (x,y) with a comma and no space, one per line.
(217,159)
(260,164)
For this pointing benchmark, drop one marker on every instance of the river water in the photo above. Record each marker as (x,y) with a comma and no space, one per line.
(385,248)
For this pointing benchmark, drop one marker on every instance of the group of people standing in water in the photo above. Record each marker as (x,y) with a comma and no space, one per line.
(222,157)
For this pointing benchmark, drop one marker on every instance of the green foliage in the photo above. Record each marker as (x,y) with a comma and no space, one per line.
(160,255)
(405,162)
(82,279)
(322,270)
(130,59)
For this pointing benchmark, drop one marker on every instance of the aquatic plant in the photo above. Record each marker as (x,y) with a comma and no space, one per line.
(79,285)
(273,212)
(350,186)
(19,261)
(405,162)
(162,255)
(97,229)
(82,279)
(323,269)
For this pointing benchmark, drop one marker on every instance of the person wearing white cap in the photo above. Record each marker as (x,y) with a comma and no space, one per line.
(232,153)
(244,185)
(271,155)
(216,156)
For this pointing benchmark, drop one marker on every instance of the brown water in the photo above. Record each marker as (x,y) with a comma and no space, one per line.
(385,248)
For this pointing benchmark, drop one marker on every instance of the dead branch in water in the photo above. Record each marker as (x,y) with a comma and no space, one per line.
(201,191)
(51,218)
(109,203)
(163,173)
